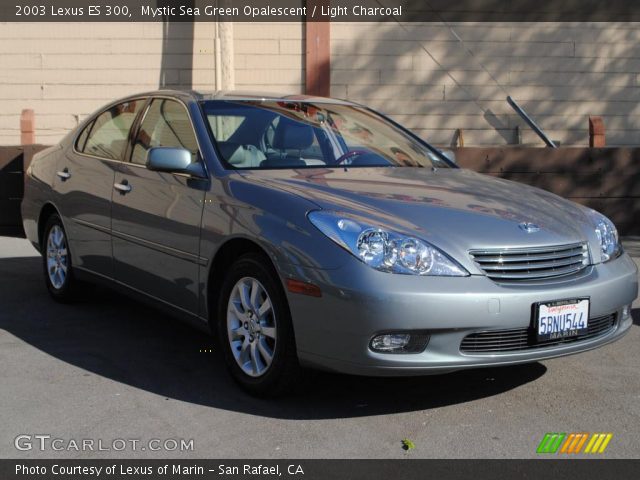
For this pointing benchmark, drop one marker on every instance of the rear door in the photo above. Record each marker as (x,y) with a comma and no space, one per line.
(156,223)
(84,179)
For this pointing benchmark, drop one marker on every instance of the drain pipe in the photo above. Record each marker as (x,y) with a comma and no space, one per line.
(227,71)
(223,51)
(217,54)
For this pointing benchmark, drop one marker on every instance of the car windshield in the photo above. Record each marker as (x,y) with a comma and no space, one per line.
(294,134)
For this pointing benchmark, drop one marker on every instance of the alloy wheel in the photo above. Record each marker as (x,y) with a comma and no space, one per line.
(251,326)
(57,257)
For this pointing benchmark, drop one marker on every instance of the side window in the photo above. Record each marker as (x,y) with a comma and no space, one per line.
(110,132)
(82,138)
(166,124)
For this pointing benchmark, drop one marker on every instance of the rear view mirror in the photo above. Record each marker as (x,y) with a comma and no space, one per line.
(173,160)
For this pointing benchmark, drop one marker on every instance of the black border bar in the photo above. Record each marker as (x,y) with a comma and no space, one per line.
(406,11)
(407,469)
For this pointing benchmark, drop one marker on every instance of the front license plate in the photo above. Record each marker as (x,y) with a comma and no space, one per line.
(561,319)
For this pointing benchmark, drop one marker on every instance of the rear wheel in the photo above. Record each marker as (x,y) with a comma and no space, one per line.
(255,330)
(56,261)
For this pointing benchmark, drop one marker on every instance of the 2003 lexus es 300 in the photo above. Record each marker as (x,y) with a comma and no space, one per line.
(316,232)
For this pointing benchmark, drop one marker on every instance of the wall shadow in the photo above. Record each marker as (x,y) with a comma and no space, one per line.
(508,135)
(11,190)
(176,66)
(125,341)
(438,77)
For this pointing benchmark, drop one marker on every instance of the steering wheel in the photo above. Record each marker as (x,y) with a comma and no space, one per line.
(348,155)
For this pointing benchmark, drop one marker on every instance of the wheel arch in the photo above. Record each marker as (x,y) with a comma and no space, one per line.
(224,257)
(46,211)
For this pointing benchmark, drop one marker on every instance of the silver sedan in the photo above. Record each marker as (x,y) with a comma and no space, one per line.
(315,232)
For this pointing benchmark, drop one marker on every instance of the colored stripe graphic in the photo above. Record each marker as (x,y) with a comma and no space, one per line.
(598,443)
(551,442)
(568,443)
(542,448)
(581,443)
(572,443)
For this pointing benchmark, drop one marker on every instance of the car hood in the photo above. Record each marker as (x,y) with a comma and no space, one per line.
(455,209)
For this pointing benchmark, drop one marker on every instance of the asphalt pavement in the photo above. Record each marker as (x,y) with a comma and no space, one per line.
(110,369)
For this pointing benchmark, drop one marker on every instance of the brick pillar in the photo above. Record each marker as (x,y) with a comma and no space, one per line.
(27,127)
(596,132)
(317,54)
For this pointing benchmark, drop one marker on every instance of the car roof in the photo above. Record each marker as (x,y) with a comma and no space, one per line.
(239,95)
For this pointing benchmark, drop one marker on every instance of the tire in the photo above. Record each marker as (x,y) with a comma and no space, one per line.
(56,261)
(254,323)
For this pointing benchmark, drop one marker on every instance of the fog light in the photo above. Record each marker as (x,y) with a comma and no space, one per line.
(626,311)
(399,343)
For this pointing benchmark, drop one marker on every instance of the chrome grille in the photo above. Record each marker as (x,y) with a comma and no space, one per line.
(505,341)
(522,264)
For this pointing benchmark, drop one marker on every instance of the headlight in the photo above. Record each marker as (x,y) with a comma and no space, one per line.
(607,235)
(384,249)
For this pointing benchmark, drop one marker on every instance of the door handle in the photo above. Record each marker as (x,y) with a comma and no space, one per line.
(64,174)
(122,187)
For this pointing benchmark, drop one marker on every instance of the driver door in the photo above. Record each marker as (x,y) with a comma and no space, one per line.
(156,216)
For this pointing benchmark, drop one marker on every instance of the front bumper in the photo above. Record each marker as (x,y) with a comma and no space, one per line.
(333,332)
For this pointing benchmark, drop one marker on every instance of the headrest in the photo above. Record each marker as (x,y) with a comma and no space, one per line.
(243,156)
(292,135)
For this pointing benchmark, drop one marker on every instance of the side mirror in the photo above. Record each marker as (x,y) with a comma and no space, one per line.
(447,153)
(173,160)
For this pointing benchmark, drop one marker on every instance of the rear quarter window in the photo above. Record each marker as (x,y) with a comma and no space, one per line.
(108,134)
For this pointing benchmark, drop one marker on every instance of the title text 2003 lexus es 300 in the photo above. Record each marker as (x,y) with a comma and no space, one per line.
(316,232)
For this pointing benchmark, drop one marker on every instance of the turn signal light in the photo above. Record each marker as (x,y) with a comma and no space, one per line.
(303,288)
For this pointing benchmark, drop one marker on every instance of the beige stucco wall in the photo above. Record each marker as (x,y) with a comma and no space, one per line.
(65,71)
(269,56)
(427,79)
(418,73)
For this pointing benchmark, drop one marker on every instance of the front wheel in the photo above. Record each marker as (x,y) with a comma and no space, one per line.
(56,261)
(255,329)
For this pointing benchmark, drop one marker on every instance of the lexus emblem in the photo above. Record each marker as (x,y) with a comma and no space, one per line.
(529,227)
